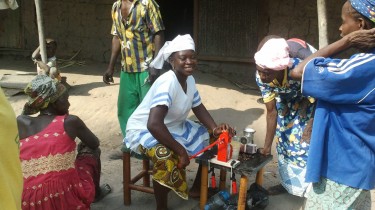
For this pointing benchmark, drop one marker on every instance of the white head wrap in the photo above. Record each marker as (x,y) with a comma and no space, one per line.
(274,55)
(184,42)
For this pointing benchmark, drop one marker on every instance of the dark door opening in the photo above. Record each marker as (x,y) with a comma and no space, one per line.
(178,17)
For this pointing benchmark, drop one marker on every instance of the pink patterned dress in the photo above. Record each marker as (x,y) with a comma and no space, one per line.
(53,177)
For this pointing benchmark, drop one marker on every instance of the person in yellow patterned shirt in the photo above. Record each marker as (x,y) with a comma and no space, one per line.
(11,181)
(138,33)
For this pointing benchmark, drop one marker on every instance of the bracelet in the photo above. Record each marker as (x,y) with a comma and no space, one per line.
(213,132)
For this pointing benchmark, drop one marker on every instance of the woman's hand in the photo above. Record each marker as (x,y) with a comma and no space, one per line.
(108,76)
(153,74)
(285,110)
(183,161)
(362,39)
(306,135)
(223,127)
(265,151)
(303,106)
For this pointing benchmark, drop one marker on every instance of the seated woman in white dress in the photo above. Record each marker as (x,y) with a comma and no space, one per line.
(159,127)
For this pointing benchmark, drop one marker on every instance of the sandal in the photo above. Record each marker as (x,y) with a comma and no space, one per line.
(105,189)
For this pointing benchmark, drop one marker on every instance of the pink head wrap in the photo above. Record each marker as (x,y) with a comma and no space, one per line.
(274,55)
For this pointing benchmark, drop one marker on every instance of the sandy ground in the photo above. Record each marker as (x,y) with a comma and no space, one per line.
(95,103)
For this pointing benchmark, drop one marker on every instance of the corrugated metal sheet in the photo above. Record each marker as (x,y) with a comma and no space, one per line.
(227,29)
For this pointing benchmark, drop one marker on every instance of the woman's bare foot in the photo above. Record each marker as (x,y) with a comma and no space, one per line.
(194,192)
(105,189)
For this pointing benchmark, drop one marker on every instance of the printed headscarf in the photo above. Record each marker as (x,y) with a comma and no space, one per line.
(42,90)
(181,42)
(274,55)
(365,7)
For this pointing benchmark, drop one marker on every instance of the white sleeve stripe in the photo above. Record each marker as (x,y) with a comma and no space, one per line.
(303,74)
(345,62)
(347,68)
(366,95)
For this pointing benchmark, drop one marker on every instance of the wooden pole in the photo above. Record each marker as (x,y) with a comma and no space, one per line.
(127,179)
(242,193)
(223,179)
(259,177)
(196,22)
(204,187)
(322,23)
(42,40)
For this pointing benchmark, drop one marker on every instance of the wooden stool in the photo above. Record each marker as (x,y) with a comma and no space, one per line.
(130,183)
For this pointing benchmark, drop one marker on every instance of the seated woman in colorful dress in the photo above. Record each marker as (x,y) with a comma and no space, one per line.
(54,176)
(159,127)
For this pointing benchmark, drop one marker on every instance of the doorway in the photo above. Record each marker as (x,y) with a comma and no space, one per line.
(178,18)
(10,28)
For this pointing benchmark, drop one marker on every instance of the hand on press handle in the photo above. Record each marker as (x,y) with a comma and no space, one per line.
(183,161)
(222,127)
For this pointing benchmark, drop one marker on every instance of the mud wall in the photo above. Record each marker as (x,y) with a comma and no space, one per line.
(84,25)
(76,25)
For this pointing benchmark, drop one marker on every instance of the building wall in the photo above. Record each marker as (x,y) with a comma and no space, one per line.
(77,25)
(296,18)
(288,19)
(84,25)
(227,32)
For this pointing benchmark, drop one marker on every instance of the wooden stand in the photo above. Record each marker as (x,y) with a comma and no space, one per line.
(245,168)
(243,186)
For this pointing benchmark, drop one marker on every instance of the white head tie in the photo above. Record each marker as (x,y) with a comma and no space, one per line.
(274,54)
(184,42)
